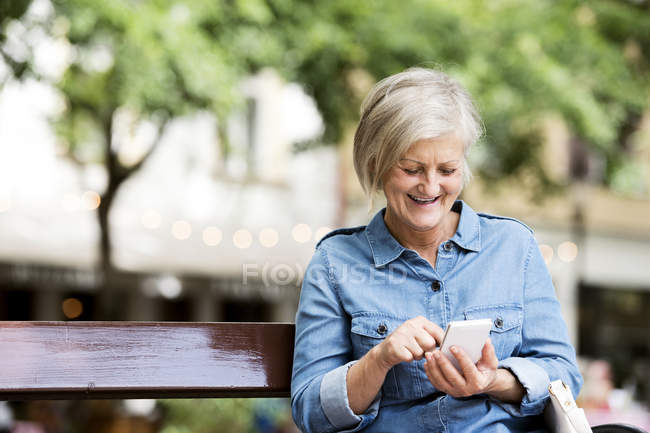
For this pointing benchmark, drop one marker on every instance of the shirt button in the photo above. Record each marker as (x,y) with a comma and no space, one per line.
(435,286)
(498,322)
(447,246)
(381,329)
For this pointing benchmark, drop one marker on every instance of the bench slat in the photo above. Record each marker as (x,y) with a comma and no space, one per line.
(95,360)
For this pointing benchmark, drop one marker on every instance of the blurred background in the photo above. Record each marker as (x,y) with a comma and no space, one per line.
(179,160)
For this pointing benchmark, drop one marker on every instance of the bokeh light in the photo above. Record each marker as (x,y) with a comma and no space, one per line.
(181,230)
(269,237)
(169,286)
(70,202)
(547,253)
(301,233)
(567,251)
(242,238)
(72,308)
(90,200)
(5,204)
(212,236)
(151,219)
(322,231)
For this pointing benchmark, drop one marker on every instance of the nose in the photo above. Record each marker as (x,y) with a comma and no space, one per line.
(429,185)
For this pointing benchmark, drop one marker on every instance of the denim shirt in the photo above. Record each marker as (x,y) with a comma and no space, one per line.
(361,284)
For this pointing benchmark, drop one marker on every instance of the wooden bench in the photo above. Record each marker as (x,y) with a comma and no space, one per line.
(99,360)
(111,360)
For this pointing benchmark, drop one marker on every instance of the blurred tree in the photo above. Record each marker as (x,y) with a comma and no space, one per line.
(586,61)
(523,60)
(12,10)
(140,62)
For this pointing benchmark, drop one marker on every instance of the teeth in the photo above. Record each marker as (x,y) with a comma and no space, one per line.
(422,200)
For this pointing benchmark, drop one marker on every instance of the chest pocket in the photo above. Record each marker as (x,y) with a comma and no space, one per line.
(367,331)
(506,326)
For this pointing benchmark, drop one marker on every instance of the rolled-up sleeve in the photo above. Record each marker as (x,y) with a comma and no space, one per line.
(334,399)
(546,353)
(322,356)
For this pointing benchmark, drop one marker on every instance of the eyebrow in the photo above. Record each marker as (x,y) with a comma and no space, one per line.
(419,162)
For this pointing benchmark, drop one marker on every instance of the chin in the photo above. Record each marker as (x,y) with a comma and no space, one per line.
(423,224)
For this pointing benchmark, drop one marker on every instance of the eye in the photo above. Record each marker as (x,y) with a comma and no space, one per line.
(448,172)
(411,172)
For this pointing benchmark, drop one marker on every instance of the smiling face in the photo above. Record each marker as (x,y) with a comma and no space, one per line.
(422,186)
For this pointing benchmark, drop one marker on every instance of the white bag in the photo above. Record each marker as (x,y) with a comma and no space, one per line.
(562,413)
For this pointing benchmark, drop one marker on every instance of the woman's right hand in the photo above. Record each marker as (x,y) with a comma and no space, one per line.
(408,342)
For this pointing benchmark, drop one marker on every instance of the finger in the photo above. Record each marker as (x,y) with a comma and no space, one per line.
(471,374)
(451,374)
(414,347)
(489,358)
(425,340)
(435,375)
(434,330)
(395,352)
(466,365)
(404,354)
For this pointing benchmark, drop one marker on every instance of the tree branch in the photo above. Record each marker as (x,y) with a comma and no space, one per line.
(124,172)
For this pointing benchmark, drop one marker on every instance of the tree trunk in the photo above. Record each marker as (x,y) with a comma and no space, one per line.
(106,307)
(117,174)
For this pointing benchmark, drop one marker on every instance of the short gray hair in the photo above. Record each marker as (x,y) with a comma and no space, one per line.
(401,109)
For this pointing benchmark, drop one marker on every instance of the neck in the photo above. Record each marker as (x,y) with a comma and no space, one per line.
(423,242)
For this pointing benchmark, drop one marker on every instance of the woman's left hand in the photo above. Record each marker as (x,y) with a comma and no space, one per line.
(474,379)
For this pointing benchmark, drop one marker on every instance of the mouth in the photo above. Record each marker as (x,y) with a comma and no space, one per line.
(423,201)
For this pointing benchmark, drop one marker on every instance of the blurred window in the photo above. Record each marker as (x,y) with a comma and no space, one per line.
(614,325)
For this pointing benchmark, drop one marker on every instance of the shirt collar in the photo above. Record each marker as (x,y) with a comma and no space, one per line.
(468,233)
(385,247)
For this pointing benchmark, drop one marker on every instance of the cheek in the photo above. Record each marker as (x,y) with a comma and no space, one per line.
(453,185)
(399,185)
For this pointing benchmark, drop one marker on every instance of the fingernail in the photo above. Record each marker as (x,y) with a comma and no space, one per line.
(453,349)
(436,354)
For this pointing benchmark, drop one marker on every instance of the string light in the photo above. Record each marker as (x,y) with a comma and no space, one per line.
(322,231)
(70,202)
(301,233)
(212,236)
(269,237)
(151,219)
(72,308)
(567,251)
(242,239)
(91,200)
(547,253)
(5,204)
(181,230)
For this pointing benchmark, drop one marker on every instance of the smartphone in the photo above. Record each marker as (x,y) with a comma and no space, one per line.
(468,334)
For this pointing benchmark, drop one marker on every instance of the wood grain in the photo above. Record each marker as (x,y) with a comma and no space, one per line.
(96,360)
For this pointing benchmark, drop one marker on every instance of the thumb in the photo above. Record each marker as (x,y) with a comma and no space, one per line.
(488,359)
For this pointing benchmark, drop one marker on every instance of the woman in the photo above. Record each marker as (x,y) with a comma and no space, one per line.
(375,299)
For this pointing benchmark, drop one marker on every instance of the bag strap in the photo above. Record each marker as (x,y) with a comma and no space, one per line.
(575,415)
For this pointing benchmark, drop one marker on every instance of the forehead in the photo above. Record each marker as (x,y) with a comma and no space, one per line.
(448,147)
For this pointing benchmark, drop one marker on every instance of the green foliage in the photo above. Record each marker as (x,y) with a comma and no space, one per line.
(521,59)
(222,415)
(207,416)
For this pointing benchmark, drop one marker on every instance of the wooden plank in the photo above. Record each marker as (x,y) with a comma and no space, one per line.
(98,360)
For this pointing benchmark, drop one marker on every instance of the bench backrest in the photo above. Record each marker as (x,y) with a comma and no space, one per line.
(96,360)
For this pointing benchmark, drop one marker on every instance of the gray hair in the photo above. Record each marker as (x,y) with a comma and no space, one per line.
(401,109)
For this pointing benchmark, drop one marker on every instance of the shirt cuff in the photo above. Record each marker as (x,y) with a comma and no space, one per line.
(535,381)
(335,404)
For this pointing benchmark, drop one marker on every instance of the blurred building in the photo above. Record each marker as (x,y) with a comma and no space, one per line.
(196,235)
(203,236)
